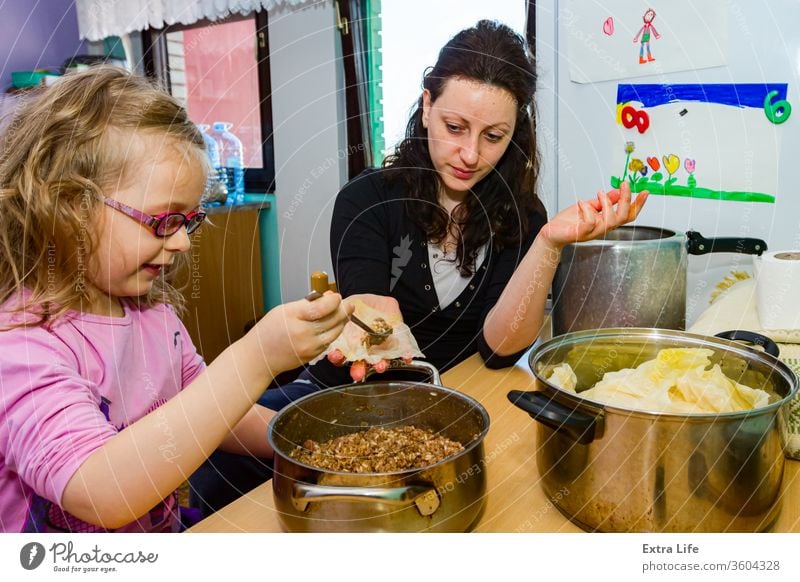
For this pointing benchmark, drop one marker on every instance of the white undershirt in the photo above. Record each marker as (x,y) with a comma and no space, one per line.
(447,281)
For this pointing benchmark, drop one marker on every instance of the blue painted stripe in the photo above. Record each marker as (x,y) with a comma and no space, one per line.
(737,95)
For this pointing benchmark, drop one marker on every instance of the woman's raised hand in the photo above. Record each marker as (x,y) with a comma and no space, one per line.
(591,219)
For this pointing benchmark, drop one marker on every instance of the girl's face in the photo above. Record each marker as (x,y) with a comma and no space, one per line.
(469,128)
(128,256)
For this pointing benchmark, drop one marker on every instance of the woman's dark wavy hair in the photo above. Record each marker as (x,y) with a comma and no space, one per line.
(490,53)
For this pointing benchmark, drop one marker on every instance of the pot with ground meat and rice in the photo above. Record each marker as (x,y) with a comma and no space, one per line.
(380,456)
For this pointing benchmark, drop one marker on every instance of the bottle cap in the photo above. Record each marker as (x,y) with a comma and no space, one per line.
(220,125)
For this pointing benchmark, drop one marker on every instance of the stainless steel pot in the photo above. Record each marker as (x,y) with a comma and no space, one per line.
(616,469)
(634,277)
(444,497)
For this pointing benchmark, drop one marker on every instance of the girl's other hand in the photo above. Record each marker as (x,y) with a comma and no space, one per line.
(294,333)
(383,303)
(591,219)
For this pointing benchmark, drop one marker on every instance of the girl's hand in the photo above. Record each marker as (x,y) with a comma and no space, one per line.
(294,333)
(591,219)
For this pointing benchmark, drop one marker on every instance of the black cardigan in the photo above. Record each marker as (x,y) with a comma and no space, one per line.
(377,248)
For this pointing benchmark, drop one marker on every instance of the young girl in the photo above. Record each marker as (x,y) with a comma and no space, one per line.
(105,405)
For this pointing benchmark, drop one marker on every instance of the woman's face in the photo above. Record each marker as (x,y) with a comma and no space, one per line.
(469,128)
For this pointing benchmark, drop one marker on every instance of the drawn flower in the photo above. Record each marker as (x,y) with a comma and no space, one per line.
(654,163)
(690,165)
(671,163)
(629,147)
(636,165)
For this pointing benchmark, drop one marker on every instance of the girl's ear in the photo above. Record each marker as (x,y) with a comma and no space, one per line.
(426,107)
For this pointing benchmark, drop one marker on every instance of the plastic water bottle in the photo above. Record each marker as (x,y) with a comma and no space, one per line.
(216,188)
(231,155)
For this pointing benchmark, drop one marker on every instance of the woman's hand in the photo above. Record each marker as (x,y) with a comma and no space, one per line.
(591,219)
(382,303)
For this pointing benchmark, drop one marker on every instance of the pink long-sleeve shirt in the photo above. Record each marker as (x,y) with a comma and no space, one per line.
(64,392)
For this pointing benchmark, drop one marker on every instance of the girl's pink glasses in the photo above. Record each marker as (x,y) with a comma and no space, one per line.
(163,225)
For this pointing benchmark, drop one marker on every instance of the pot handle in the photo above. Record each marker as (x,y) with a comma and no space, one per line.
(751,337)
(420,365)
(697,244)
(579,426)
(423,496)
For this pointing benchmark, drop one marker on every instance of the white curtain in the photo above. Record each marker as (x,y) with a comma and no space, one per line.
(98,19)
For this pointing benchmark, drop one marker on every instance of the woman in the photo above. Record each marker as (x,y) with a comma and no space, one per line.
(450,226)
(449,231)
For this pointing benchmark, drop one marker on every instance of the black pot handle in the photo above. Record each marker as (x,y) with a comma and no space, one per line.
(697,244)
(579,426)
(751,337)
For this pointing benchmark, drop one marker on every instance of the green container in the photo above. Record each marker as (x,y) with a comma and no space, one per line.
(25,79)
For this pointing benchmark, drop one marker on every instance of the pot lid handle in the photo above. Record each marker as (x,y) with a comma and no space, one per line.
(697,244)
(415,365)
(751,337)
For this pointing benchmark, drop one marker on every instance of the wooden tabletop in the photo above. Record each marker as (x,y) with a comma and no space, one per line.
(515,501)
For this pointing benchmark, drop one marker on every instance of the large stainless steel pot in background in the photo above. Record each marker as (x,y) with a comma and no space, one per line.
(445,497)
(615,469)
(634,277)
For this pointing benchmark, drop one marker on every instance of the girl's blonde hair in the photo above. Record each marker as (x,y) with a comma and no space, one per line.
(60,152)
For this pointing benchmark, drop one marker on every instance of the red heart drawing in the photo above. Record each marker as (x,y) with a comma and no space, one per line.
(653,163)
(608,26)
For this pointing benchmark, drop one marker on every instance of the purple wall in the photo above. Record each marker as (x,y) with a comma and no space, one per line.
(36,34)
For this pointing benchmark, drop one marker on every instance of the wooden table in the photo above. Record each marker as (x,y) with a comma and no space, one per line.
(515,501)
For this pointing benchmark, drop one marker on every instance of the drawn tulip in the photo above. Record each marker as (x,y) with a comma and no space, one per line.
(671,165)
(653,162)
(690,165)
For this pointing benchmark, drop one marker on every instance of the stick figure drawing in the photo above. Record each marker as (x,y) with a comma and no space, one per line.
(644,33)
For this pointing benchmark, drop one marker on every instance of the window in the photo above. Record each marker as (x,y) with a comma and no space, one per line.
(220,71)
(401,63)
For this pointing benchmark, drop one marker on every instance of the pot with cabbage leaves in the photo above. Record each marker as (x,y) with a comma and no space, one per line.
(655,430)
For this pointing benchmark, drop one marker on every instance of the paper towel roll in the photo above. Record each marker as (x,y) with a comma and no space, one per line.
(778,289)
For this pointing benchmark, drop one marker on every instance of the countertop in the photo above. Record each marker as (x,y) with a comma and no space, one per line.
(515,501)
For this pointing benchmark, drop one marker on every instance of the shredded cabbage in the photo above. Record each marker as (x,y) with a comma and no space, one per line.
(676,381)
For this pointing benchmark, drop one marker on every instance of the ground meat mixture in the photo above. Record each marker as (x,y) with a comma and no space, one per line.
(379,325)
(378,450)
